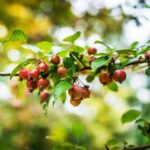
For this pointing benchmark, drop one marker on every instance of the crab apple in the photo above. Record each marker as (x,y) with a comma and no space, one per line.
(147,56)
(31,85)
(55,59)
(91,59)
(119,76)
(85,92)
(76,92)
(44,96)
(42,83)
(33,75)
(23,74)
(42,67)
(105,78)
(61,70)
(75,102)
(92,50)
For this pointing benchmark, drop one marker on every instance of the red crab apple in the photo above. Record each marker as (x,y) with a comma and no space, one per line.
(147,56)
(23,74)
(33,75)
(44,96)
(85,92)
(42,67)
(55,59)
(42,83)
(76,92)
(92,50)
(31,85)
(75,102)
(119,76)
(61,70)
(105,78)
(91,59)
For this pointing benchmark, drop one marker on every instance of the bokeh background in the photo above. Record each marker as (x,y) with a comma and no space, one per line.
(23,125)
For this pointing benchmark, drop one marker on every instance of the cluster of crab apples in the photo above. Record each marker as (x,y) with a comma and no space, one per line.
(106,77)
(38,78)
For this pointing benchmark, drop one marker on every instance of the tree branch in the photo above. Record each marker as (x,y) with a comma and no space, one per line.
(135,62)
(138,148)
(6,74)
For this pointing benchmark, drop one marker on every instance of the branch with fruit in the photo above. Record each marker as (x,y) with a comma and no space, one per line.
(56,74)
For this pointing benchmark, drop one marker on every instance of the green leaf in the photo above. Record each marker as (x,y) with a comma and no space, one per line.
(90,77)
(78,49)
(63,53)
(147,71)
(112,142)
(126,52)
(45,45)
(127,62)
(113,86)
(75,56)
(140,120)
(72,38)
(134,44)
(143,50)
(100,42)
(18,35)
(60,89)
(32,48)
(63,97)
(68,62)
(143,129)
(130,115)
(23,64)
(99,62)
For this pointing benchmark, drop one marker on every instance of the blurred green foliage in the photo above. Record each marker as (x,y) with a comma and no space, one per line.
(23,123)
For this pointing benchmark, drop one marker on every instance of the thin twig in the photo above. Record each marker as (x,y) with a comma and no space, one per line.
(6,74)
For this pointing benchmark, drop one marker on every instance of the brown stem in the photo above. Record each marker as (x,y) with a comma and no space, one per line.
(138,148)
(6,74)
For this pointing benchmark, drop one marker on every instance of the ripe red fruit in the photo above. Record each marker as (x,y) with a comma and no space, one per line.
(75,92)
(31,85)
(85,92)
(147,56)
(44,96)
(91,59)
(75,102)
(42,67)
(105,78)
(119,76)
(61,70)
(23,73)
(42,83)
(55,59)
(33,75)
(92,50)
